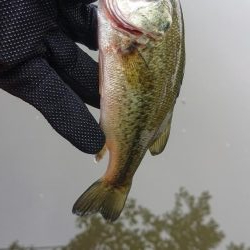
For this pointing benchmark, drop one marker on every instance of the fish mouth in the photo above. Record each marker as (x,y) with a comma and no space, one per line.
(122,24)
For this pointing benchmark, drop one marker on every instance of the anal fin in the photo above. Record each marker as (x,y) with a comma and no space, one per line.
(101,154)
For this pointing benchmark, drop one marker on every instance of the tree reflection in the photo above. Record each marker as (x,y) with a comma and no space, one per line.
(188,226)
(232,246)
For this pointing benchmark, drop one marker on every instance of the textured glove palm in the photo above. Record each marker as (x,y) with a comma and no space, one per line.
(41,64)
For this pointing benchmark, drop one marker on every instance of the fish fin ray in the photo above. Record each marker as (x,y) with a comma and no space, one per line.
(142,57)
(104,198)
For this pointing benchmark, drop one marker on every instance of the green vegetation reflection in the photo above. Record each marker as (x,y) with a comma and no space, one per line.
(188,226)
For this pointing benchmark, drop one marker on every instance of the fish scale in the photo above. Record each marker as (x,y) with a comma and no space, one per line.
(142,58)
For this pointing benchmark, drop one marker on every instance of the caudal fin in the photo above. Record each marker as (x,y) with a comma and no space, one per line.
(104,198)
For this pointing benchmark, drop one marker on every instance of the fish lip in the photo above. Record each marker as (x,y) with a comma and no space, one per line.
(120,23)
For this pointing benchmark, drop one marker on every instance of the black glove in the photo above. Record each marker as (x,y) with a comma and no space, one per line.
(41,64)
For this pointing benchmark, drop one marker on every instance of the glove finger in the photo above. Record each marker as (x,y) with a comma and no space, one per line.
(79,21)
(75,67)
(74,2)
(38,84)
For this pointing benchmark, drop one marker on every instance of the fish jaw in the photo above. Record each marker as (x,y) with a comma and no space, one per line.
(129,17)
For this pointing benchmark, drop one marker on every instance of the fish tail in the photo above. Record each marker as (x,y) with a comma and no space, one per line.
(104,198)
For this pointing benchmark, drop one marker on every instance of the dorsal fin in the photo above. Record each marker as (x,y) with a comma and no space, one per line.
(160,143)
(161,138)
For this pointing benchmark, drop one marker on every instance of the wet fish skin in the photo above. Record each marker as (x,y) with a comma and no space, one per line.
(140,80)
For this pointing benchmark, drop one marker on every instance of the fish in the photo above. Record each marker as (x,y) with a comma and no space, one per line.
(141,69)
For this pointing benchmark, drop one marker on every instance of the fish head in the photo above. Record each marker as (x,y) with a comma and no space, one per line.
(142,20)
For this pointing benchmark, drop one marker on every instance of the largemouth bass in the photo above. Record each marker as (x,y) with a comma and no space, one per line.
(142,58)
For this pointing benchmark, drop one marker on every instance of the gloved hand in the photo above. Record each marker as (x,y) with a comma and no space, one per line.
(41,64)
